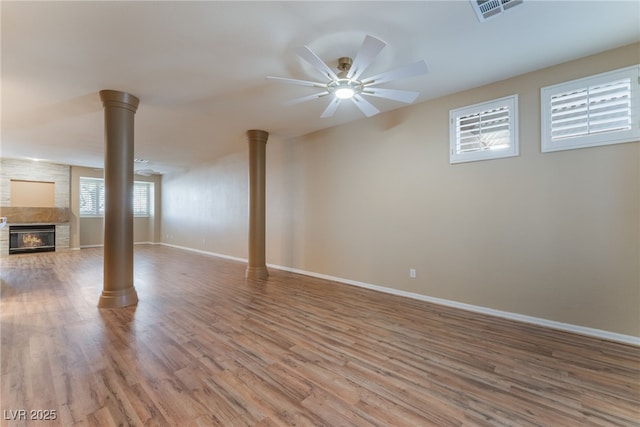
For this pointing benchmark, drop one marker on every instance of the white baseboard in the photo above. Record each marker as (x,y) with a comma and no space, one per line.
(102,245)
(598,333)
(568,327)
(200,251)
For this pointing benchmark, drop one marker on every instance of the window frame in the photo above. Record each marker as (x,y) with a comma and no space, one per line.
(149,187)
(97,212)
(548,144)
(513,150)
(101,188)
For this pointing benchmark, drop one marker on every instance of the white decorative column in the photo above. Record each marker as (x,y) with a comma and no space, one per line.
(257,268)
(119,110)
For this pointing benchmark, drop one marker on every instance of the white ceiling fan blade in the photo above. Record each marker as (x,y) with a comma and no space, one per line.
(331,108)
(406,96)
(365,106)
(411,70)
(370,48)
(307,98)
(297,82)
(307,54)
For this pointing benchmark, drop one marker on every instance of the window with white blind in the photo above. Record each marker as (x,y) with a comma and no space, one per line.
(484,131)
(141,198)
(597,110)
(92,197)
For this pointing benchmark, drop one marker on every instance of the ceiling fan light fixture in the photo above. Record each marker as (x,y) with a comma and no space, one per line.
(344,93)
(345,88)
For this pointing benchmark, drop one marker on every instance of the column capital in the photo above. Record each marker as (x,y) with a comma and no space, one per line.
(256,135)
(114,98)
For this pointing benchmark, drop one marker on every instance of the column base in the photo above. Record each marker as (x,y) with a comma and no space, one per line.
(256,273)
(118,299)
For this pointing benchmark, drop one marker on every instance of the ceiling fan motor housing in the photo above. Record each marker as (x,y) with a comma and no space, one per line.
(344,63)
(344,87)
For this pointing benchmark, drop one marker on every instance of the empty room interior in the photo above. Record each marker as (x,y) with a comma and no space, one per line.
(387,213)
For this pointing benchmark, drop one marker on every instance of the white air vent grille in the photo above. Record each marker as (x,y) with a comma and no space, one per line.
(486,9)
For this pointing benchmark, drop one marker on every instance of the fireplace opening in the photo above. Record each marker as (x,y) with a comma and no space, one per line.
(32,238)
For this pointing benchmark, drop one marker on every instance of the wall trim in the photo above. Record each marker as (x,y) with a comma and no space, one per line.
(102,245)
(200,251)
(552,324)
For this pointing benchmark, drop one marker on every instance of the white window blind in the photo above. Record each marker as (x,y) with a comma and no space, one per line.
(596,110)
(91,196)
(601,108)
(92,200)
(484,131)
(141,198)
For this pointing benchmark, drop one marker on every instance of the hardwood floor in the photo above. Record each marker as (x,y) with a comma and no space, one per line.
(205,347)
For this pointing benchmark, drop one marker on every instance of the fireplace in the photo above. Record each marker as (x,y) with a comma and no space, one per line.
(32,238)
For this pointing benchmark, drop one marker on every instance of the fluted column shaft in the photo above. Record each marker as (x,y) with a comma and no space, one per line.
(257,268)
(119,111)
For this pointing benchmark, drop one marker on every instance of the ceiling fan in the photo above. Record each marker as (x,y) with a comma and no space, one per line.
(347,83)
(141,168)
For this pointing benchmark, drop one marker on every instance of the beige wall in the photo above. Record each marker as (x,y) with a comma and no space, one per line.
(33,194)
(550,235)
(87,231)
(206,208)
(92,231)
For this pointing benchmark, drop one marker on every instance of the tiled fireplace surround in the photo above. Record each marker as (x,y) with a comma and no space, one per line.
(16,215)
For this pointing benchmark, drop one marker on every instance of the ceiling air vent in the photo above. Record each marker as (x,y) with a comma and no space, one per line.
(486,9)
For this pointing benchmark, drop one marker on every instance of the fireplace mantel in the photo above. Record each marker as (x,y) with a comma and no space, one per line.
(17,215)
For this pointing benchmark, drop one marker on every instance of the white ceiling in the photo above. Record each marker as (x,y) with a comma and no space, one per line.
(199,67)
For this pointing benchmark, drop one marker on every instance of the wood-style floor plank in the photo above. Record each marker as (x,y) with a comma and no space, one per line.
(206,347)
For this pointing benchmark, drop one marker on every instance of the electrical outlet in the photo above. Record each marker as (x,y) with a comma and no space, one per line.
(412,273)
